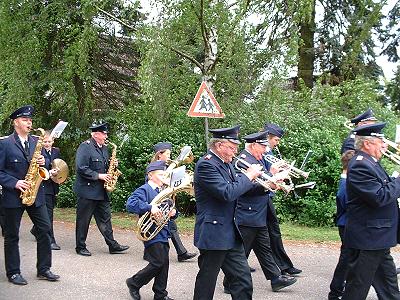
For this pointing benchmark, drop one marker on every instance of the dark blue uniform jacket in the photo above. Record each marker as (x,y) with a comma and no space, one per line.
(50,187)
(14,165)
(90,161)
(139,203)
(252,206)
(341,203)
(372,209)
(217,189)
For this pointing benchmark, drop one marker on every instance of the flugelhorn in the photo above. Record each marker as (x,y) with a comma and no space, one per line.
(266,180)
(284,165)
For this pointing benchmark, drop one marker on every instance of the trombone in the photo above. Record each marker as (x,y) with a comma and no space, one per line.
(283,164)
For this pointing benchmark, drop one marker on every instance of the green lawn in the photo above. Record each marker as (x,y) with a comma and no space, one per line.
(290,231)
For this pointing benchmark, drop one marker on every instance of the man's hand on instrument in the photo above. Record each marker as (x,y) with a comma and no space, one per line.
(40,160)
(172,212)
(54,172)
(105,177)
(22,185)
(253,171)
(156,212)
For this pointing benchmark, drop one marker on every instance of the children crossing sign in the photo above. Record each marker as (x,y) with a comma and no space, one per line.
(205,105)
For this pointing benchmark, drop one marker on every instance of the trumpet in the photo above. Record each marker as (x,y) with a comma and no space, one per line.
(283,164)
(392,155)
(266,180)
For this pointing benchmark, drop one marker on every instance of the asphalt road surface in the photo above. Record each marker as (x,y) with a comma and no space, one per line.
(102,275)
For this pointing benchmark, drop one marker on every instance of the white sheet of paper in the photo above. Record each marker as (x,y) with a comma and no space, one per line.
(177,176)
(56,132)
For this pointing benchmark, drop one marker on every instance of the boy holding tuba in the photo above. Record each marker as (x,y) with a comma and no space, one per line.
(155,250)
(16,151)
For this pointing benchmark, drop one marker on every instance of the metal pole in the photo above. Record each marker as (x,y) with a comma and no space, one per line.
(206,130)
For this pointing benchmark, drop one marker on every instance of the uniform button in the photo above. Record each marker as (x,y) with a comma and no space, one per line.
(250,208)
(214,222)
(88,183)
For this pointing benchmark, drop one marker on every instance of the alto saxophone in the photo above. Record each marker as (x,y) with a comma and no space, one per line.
(35,174)
(112,170)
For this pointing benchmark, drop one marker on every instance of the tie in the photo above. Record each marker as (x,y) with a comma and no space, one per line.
(157,189)
(26,148)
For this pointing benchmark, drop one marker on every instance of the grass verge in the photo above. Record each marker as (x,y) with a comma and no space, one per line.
(290,231)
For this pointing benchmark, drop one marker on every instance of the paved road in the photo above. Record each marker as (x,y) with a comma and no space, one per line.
(102,276)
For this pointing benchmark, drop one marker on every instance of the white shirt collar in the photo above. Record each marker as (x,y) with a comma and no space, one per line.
(217,155)
(343,176)
(152,184)
(22,139)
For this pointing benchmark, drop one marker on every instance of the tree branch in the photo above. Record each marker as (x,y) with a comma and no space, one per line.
(187,56)
(115,18)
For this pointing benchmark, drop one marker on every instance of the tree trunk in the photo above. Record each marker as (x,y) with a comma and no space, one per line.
(305,66)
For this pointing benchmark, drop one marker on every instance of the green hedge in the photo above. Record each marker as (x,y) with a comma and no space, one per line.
(312,120)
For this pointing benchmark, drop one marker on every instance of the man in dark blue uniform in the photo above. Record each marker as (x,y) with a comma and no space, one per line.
(1,213)
(251,215)
(275,133)
(51,188)
(365,118)
(372,219)
(92,160)
(216,234)
(16,152)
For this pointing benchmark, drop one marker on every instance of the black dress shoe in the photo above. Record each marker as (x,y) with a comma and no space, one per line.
(84,252)
(17,279)
(54,246)
(252,270)
(164,298)
(48,275)
(133,291)
(186,256)
(118,249)
(281,282)
(291,271)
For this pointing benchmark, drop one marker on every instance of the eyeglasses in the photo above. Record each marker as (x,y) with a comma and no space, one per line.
(232,148)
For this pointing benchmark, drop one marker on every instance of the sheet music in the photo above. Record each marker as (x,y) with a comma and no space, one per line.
(56,132)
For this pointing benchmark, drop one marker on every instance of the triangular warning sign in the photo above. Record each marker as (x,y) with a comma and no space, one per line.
(204,104)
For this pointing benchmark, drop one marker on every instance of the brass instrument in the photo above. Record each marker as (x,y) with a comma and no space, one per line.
(148,225)
(284,165)
(112,170)
(266,180)
(62,170)
(35,174)
(392,155)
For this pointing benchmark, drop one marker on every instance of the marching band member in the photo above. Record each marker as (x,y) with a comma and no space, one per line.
(372,219)
(365,118)
(275,133)
(339,276)
(16,152)
(156,250)
(162,152)
(51,188)
(251,215)
(216,233)
(92,160)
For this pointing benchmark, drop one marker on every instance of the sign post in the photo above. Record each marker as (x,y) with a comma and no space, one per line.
(205,105)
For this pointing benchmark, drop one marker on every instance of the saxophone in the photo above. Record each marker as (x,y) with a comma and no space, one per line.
(35,174)
(112,170)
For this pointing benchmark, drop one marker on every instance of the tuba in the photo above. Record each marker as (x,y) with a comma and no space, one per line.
(148,225)
(35,174)
(112,170)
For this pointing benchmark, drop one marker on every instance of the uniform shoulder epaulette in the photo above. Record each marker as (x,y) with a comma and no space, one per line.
(208,156)
(359,157)
(243,155)
(35,135)
(87,142)
(3,137)
(352,136)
